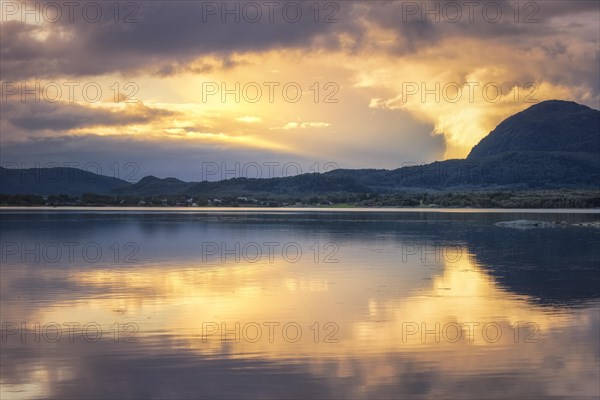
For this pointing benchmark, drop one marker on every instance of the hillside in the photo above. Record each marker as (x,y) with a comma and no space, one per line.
(548,126)
(55,181)
(551,145)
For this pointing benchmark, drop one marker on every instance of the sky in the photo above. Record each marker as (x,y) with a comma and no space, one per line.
(213,90)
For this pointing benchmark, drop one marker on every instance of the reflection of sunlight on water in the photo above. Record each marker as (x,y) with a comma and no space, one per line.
(36,382)
(184,298)
(463,293)
(179,302)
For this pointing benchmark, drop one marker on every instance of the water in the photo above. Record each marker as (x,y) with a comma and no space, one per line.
(110,303)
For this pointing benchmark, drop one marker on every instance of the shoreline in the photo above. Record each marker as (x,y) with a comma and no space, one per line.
(303,209)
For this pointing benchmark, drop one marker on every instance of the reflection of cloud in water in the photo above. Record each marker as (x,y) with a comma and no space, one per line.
(371,351)
(369,295)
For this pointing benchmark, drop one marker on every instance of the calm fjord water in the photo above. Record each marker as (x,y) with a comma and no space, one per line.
(279,303)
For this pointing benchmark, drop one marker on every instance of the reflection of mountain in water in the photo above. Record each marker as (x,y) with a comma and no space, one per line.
(371,293)
(555,266)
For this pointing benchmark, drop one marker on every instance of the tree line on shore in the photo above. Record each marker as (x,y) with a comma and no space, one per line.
(563,198)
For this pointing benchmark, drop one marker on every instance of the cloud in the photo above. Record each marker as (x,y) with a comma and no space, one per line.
(63,116)
(187,157)
(303,125)
(166,38)
(249,119)
(371,52)
(191,160)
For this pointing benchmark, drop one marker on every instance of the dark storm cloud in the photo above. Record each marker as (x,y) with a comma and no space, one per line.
(566,32)
(421,24)
(162,37)
(65,116)
(165,36)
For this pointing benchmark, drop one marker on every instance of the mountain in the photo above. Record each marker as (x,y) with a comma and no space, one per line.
(548,126)
(551,145)
(54,181)
(289,186)
(512,170)
(151,185)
